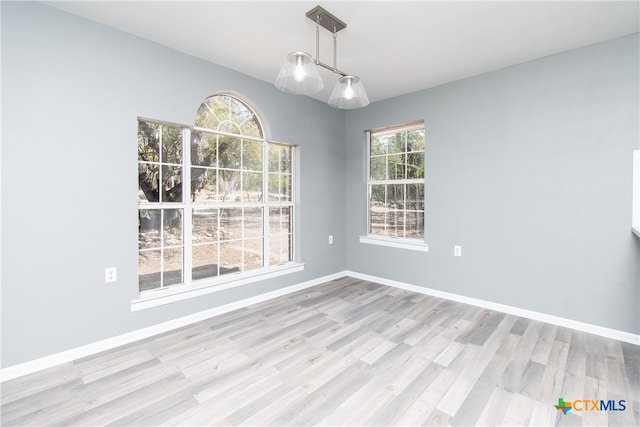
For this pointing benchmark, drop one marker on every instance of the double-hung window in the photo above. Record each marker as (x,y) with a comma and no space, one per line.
(215,199)
(395,184)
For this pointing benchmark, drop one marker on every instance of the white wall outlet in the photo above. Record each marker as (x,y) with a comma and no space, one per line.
(331,239)
(457,250)
(110,275)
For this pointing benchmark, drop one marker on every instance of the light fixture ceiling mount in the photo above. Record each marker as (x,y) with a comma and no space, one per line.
(299,74)
(321,16)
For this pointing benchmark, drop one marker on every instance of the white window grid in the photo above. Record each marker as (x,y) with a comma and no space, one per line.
(398,227)
(187,206)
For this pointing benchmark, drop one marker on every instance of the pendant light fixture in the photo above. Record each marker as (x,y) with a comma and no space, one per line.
(299,73)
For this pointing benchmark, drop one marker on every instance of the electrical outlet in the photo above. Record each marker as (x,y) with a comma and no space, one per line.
(457,250)
(330,239)
(110,275)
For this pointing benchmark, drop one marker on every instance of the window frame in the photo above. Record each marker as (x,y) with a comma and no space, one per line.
(416,244)
(188,287)
(161,204)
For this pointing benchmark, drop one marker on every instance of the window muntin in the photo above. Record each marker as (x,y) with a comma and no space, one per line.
(222,223)
(395,184)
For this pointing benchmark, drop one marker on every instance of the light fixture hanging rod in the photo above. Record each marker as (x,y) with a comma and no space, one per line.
(321,17)
(335,49)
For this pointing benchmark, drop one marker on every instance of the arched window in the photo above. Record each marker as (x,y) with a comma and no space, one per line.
(225,113)
(235,219)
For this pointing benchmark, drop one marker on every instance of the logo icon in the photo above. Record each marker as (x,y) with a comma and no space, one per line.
(563,406)
(590,405)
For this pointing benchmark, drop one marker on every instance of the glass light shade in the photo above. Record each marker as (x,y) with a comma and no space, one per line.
(348,93)
(299,75)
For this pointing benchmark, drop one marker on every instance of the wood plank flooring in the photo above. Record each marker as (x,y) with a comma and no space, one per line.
(347,352)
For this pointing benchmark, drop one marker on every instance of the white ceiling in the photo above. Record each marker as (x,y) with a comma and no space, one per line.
(394,47)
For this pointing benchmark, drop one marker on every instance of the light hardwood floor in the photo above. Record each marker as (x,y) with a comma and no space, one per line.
(347,352)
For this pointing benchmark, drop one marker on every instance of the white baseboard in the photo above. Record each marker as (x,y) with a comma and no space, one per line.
(32,366)
(534,315)
(35,365)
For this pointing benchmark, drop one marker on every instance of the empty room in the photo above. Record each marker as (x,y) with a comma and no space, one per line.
(320,213)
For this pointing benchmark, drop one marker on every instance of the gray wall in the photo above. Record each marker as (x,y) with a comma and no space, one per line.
(71,94)
(529,170)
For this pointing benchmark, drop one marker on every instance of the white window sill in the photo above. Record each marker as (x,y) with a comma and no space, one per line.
(410,244)
(156,298)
